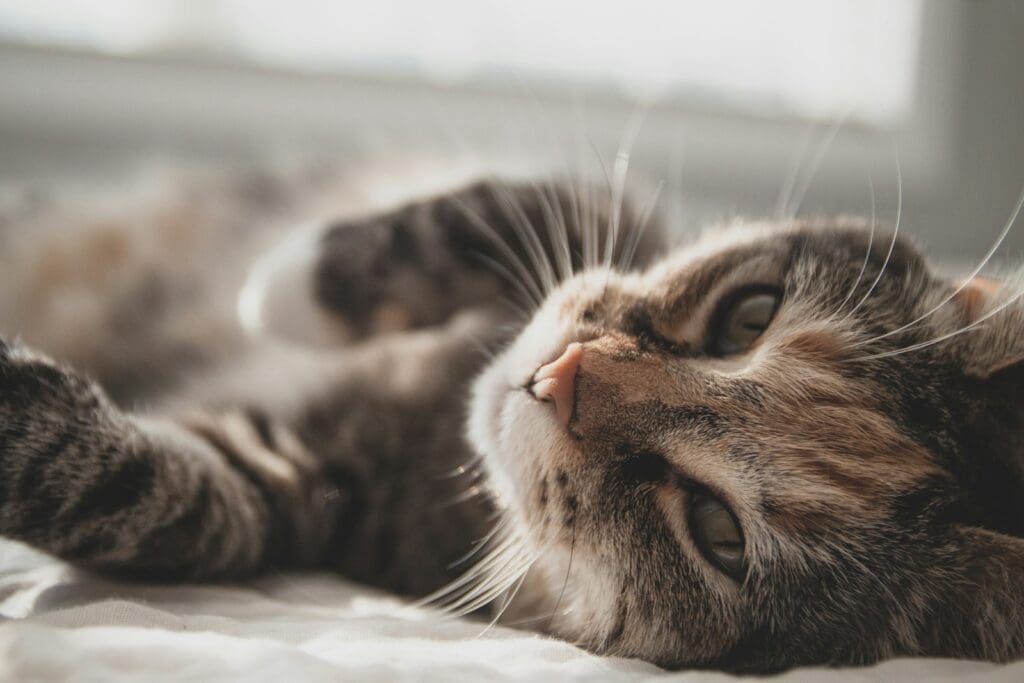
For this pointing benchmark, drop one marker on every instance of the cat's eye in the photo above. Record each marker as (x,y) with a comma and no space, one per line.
(717,534)
(742,319)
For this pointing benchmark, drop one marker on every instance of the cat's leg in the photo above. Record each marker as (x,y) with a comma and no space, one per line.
(420,263)
(216,498)
(476,247)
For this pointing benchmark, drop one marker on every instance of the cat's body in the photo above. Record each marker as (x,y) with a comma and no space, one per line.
(862,503)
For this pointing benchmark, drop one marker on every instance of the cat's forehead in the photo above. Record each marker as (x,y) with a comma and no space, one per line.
(717,246)
(793,396)
(807,256)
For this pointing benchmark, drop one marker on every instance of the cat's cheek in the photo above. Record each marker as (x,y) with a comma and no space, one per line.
(591,607)
(537,454)
(518,438)
(484,429)
(483,425)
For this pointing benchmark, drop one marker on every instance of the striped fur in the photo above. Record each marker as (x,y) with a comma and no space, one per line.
(879,492)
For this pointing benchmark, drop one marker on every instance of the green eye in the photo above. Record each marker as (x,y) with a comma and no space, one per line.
(717,534)
(742,320)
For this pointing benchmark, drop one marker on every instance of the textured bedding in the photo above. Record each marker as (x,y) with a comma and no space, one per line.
(57,624)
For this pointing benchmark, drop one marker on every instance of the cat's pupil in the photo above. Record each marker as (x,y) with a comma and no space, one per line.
(717,534)
(742,320)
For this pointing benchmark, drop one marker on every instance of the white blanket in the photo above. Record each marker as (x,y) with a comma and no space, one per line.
(58,624)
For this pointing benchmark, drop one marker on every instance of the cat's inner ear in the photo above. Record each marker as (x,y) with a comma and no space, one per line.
(996,316)
(976,294)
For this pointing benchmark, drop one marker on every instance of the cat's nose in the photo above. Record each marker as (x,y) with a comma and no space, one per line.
(555,381)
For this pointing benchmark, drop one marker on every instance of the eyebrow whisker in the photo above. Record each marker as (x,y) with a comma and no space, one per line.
(895,235)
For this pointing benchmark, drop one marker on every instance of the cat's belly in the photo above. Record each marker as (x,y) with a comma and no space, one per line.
(410,487)
(412,502)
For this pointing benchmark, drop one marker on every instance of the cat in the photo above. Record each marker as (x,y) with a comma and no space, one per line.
(789,443)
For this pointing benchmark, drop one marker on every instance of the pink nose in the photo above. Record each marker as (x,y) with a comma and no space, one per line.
(554,382)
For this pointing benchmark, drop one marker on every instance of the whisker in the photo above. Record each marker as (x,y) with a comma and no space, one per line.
(608,185)
(819,156)
(565,581)
(867,252)
(895,235)
(557,230)
(587,222)
(536,296)
(944,337)
(575,202)
(469,494)
(459,141)
(480,543)
(493,585)
(527,281)
(519,312)
(629,250)
(512,596)
(552,207)
(599,252)
(480,568)
(520,222)
(504,272)
(967,281)
(480,346)
(677,161)
(516,568)
(530,620)
(563,226)
(789,182)
(471,465)
(620,171)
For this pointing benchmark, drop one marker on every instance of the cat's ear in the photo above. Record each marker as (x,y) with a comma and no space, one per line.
(994,313)
(979,613)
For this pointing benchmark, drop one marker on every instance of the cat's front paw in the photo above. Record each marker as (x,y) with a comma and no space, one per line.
(49,418)
(40,402)
(20,380)
(380,276)
(330,286)
(30,382)
(343,283)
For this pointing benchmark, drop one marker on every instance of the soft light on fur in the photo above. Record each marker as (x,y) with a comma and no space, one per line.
(868,442)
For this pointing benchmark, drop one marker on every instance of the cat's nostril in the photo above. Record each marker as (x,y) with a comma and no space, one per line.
(555,382)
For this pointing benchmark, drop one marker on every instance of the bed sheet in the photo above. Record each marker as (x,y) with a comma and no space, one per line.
(60,624)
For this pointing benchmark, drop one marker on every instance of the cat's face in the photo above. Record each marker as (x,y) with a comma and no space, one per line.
(725,479)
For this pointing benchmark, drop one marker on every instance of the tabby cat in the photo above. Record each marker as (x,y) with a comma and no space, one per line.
(786,444)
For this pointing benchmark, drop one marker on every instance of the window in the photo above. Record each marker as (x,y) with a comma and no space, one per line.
(802,58)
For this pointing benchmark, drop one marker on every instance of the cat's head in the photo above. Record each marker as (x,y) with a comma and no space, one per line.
(722,460)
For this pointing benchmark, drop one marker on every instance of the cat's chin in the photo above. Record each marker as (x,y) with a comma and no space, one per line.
(521,442)
(517,436)
(500,411)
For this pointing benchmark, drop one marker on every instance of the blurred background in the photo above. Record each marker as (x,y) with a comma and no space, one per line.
(737,106)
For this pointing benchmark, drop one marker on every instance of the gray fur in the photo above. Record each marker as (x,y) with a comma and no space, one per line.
(879,491)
